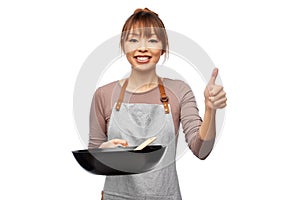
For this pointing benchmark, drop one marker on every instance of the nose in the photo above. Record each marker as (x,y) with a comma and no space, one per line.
(142,50)
(143,46)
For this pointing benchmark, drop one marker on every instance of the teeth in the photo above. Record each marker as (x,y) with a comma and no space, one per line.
(142,58)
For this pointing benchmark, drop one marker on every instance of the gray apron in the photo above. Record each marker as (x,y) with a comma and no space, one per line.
(136,123)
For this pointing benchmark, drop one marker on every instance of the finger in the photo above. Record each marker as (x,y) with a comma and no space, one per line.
(222,106)
(220,95)
(213,77)
(221,103)
(215,90)
(213,99)
(120,141)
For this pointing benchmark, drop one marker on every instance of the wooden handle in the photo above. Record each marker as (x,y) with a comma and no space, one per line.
(144,144)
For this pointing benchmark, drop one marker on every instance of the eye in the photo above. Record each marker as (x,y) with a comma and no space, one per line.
(133,40)
(153,41)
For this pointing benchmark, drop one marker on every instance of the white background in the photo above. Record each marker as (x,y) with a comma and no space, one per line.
(254,43)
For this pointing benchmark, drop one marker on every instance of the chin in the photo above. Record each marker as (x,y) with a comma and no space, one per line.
(144,67)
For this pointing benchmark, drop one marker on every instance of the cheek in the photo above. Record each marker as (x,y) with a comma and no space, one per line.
(129,48)
(157,52)
(129,57)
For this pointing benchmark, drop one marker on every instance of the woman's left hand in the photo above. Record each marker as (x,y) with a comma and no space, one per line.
(215,96)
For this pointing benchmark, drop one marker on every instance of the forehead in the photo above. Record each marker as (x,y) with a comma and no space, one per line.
(148,31)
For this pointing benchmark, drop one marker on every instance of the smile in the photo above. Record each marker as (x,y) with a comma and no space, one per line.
(142,59)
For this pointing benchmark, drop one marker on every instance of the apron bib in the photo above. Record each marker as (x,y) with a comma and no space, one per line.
(136,123)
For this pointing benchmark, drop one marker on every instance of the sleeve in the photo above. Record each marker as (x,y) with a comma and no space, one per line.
(191,122)
(97,121)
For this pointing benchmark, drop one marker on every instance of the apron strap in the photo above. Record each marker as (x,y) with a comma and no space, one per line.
(120,100)
(163,97)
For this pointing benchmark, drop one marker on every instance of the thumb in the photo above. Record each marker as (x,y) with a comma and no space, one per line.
(213,77)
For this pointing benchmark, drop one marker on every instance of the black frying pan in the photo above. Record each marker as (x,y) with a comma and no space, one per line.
(119,160)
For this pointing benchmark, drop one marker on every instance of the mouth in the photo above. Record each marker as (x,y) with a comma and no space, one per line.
(142,58)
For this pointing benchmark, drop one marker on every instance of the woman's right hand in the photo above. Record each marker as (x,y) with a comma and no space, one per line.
(114,143)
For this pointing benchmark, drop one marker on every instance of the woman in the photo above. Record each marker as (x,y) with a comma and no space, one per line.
(126,112)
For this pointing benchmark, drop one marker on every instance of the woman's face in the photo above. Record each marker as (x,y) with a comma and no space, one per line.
(142,52)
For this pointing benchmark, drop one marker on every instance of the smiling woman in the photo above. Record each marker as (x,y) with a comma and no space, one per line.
(127,112)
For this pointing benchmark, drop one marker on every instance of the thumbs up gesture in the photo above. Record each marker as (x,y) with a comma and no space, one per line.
(215,97)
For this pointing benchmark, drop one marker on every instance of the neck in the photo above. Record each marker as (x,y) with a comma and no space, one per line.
(142,81)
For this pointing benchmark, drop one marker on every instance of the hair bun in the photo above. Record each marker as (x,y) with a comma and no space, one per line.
(146,10)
